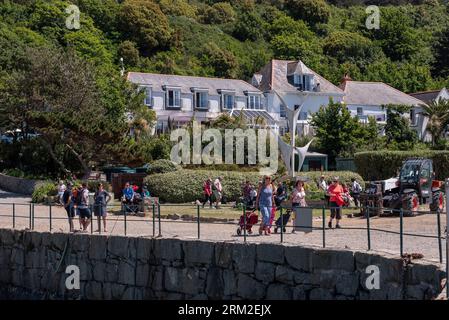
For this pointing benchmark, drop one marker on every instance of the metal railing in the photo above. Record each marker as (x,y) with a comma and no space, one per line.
(28,212)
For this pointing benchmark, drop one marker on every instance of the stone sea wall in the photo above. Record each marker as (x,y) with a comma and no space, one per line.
(18,185)
(33,265)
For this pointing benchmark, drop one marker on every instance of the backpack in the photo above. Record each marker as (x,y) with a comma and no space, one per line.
(78,197)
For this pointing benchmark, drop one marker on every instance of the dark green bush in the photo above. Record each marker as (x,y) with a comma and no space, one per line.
(187,185)
(162,166)
(378,165)
(43,191)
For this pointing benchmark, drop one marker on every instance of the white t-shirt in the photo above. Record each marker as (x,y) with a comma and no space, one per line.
(217,185)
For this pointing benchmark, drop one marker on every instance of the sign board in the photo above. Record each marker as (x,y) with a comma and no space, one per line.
(303,219)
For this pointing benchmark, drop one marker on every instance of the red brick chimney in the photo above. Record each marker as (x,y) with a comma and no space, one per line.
(343,81)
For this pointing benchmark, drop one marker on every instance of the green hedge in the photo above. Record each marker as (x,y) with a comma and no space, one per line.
(162,166)
(187,185)
(378,165)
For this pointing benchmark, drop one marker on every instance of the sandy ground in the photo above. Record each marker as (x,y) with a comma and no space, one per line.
(348,237)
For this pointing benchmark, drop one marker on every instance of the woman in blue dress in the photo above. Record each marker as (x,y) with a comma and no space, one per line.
(265,202)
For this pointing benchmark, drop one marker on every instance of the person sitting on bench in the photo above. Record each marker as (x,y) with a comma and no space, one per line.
(128,195)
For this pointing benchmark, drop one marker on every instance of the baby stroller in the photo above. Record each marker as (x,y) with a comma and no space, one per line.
(282,221)
(251,219)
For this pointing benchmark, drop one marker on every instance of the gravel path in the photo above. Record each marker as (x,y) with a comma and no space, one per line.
(340,238)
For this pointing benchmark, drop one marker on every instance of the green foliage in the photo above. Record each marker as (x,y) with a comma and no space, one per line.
(440,66)
(218,13)
(380,165)
(44,191)
(311,11)
(144,23)
(397,129)
(336,130)
(177,8)
(187,185)
(162,166)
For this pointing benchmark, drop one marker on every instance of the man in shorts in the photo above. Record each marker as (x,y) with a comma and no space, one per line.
(83,207)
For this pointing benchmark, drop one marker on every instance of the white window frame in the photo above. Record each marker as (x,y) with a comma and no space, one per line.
(254,102)
(359,113)
(176,92)
(195,99)
(225,97)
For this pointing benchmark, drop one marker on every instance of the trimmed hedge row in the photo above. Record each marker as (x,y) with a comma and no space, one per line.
(187,185)
(379,165)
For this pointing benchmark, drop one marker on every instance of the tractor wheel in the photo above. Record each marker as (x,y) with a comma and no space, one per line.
(437,202)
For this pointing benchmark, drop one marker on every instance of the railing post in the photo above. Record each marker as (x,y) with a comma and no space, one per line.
(159,218)
(282,225)
(447,237)
(198,219)
(91,220)
(368,227)
(440,248)
(13,215)
(154,220)
(244,222)
(30,216)
(49,214)
(124,219)
(401,230)
(324,226)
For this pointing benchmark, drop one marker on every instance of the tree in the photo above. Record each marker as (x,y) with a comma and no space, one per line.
(144,23)
(249,26)
(438,114)
(336,129)
(74,114)
(397,129)
(311,11)
(130,54)
(397,35)
(440,66)
(218,13)
(352,47)
(223,62)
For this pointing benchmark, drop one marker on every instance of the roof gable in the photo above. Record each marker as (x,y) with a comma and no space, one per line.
(274,77)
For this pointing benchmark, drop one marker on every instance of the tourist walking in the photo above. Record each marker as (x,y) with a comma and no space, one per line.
(101,199)
(207,191)
(61,189)
(264,202)
(218,191)
(356,189)
(298,199)
(67,202)
(83,207)
(335,192)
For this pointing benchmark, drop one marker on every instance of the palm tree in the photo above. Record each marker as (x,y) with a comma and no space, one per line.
(438,114)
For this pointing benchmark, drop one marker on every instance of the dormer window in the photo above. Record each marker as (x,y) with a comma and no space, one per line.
(148,99)
(254,101)
(304,82)
(227,99)
(201,100)
(172,97)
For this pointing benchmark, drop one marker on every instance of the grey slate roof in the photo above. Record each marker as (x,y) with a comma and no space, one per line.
(274,77)
(157,81)
(426,96)
(375,93)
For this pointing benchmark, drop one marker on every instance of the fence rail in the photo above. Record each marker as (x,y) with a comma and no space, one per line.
(27,211)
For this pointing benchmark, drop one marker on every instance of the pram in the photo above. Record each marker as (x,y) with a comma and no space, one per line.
(251,219)
(282,221)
